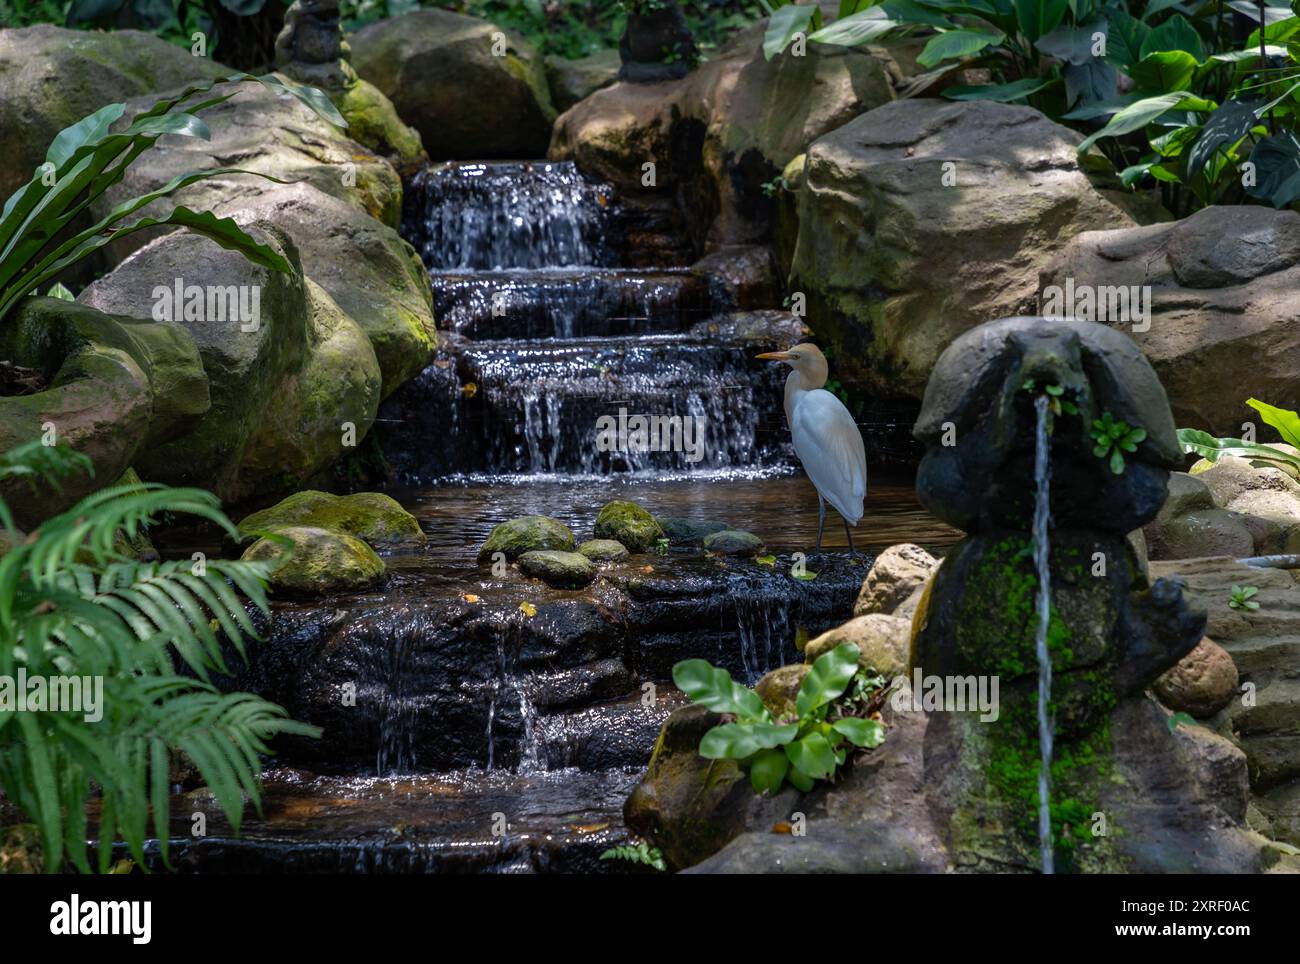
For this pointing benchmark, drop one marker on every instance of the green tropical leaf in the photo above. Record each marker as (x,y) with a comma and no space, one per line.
(1168,70)
(738,741)
(1176,33)
(767,771)
(861,28)
(713,688)
(830,673)
(956,44)
(1277,170)
(860,732)
(999,93)
(1039,17)
(1134,117)
(1210,448)
(784,24)
(1225,127)
(1285,421)
(812,754)
(1125,37)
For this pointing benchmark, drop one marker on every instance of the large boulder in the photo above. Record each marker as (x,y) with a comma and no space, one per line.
(574,80)
(719,135)
(285,386)
(377,518)
(341,212)
(115,386)
(471,89)
(923,218)
(51,77)
(882,642)
(628,523)
(1190,524)
(1223,285)
(895,575)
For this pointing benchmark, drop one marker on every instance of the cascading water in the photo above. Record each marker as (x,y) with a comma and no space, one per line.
(1042,556)
(544,337)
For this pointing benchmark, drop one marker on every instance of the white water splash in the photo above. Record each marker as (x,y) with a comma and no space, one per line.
(1042,552)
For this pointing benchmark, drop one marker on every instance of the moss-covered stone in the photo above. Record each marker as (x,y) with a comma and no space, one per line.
(733,542)
(563,570)
(377,518)
(603,550)
(373,121)
(323,561)
(20,849)
(779,689)
(628,523)
(526,534)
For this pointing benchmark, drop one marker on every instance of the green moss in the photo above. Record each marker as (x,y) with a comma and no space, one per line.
(628,523)
(372,516)
(322,561)
(526,534)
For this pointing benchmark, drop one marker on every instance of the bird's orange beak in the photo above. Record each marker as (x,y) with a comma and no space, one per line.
(775,356)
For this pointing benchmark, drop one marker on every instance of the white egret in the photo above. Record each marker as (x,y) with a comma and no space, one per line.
(826,438)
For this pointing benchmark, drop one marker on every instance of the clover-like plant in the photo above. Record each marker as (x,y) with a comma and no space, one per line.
(809,745)
(1114,438)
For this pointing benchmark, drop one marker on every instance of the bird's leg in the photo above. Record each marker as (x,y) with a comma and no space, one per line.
(821,519)
(849,534)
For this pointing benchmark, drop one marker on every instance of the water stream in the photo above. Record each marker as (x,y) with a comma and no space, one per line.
(1042,556)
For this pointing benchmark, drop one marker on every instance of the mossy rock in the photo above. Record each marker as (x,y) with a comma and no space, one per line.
(734,542)
(526,534)
(563,570)
(603,550)
(882,642)
(323,561)
(628,523)
(373,121)
(689,531)
(779,689)
(377,518)
(20,849)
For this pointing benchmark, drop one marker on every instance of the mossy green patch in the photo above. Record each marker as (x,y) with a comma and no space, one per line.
(628,523)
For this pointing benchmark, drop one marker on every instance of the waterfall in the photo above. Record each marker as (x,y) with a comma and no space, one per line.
(1042,553)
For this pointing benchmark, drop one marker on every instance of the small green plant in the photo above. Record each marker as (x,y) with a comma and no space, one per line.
(1057,401)
(661,546)
(775,186)
(1241,598)
(1113,439)
(800,749)
(642,853)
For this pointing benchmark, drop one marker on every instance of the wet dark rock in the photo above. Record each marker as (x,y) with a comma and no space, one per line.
(526,534)
(656,44)
(689,531)
(564,570)
(733,542)
(628,523)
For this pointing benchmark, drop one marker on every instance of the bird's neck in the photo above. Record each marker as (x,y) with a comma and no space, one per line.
(796,386)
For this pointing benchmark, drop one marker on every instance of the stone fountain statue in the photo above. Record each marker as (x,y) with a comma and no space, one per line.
(952,789)
(311,49)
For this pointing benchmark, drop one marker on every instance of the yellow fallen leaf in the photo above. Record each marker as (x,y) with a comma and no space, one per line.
(528,609)
(469,597)
(469,389)
(647,568)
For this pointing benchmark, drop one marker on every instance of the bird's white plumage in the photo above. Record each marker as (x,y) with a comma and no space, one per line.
(829,445)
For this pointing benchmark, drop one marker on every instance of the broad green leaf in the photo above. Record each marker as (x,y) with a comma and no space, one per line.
(798,779)
(1089,83)
(1277,170)
(1224,128)
(714,689)
(85,131)
(1251,9)
(1174,34)
(813,754)
(1000,93)
(737,741)
(1038,17)
(92,11)
(861,28)
(830,673)
(783,25)
(1074,45)
(860,732)
(1167,70)
(1134,117)
(956,44)
(767,771)
(1125,37)
(1286,422)
(1210,448)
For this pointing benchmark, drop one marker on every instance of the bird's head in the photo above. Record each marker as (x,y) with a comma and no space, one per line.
(806,359)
